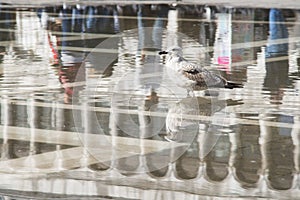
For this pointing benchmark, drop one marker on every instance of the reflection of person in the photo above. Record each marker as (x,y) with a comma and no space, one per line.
(102,62)
(150,38)
(68,62)
(276,79)
(8,21)
(147,38)
(276,71)
(69,75)
(277,30)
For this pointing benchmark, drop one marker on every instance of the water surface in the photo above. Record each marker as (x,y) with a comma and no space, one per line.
(88,108)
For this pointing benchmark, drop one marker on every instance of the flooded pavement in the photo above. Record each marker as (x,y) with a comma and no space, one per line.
(89,110)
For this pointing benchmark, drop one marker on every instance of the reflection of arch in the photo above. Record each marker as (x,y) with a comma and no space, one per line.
(217,160)
(280,161)
(128,164)
(101,166)
(157,170)
(187,166)
(216,171)
(159,173)
(248,158)
(277,151)
(281,181)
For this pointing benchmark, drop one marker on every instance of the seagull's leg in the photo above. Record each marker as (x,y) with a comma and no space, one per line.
(193,94)
(188,93)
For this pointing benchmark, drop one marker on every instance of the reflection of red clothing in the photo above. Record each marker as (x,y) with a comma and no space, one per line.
(71,74)
(55,55)
(68,72)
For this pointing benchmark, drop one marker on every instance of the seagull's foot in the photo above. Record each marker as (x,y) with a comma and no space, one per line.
(188,93)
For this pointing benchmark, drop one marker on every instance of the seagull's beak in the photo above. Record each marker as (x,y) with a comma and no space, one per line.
(162,52)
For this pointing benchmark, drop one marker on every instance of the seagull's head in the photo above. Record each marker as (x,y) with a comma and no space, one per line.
(172,52)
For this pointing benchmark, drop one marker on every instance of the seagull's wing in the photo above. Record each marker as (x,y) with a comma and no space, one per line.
(192,71)
(201,75)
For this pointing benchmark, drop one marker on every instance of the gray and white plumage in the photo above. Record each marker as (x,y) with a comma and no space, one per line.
(192,76)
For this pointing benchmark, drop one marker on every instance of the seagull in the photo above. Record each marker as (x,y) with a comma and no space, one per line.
(192,76)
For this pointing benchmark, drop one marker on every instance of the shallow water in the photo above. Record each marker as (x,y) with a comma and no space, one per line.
(89,110)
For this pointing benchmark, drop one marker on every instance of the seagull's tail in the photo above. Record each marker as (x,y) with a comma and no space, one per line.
(231,85)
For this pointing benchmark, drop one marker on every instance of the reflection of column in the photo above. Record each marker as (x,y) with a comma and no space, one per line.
(187,165)
(263,141)
(296,141)
(172,28)
(294,44)
(31,113)
(248,157)
(202,164)
(234,141)
(86,127)
(114,133)
(117,123)
(57,118)
(217,160)
(277,153)
(231,183)
(144,133)
(31,110)
(5,121)
(172,39)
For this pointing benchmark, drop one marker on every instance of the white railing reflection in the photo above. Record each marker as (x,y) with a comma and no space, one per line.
(251,165)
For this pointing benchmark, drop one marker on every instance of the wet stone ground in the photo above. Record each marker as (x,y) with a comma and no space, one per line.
(89,110)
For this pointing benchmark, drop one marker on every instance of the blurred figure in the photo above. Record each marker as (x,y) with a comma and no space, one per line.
(276,79)
(222,45)
(150,39)
(279,145)
(276,70)
(70,62)
(8,21)
(102,62)
(277,30)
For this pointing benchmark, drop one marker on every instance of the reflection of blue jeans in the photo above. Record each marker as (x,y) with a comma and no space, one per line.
(71,25)
(153,39)
(90,20)
(285,119)
(278,30)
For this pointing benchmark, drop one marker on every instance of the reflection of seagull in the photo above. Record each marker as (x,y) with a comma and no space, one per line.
(192,76)
(178,121)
